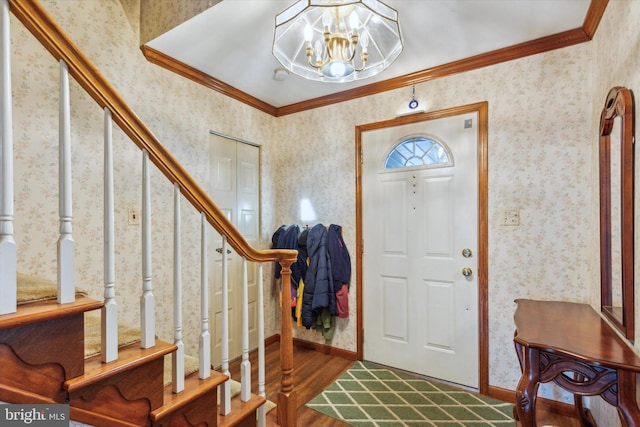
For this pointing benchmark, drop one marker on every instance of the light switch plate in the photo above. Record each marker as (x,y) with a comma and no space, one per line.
(133,216)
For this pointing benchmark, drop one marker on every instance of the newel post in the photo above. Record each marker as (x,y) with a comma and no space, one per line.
(287,397)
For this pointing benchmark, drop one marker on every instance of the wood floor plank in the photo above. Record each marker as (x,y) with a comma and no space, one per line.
(312,373)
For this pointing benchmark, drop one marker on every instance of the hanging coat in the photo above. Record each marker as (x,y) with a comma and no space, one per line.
(287,238)
(318,283)
(340,269)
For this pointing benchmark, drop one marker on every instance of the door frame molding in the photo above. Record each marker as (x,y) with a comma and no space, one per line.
(482,108)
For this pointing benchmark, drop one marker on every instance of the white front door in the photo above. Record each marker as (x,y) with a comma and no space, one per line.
(235,184)
(420,230)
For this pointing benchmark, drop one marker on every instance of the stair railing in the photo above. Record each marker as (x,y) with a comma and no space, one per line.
(75,64)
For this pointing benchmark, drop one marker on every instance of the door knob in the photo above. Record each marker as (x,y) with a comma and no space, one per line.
(466,272)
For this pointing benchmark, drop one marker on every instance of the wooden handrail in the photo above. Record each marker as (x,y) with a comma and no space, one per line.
(38,21)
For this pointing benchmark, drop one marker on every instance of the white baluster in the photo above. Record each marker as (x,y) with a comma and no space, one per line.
(8,255)
(262,419)
(225,389)
(245,366)
(147,301)
(205,337)
(66,245)
(178,355)
(110,308)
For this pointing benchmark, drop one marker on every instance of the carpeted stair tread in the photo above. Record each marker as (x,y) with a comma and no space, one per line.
(42,311)
(34,289)
(93,334)
(191,365)
(128,357)
(37,302)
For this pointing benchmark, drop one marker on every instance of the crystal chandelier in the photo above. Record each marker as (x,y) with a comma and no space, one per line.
(337,40)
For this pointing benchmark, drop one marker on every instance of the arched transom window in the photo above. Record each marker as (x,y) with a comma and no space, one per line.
(417,151)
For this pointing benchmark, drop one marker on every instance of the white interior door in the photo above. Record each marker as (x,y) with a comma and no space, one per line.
(235,185)
(420,312)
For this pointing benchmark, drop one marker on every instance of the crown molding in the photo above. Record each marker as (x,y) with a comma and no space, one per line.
(594,15)
(180,68)
(533,47)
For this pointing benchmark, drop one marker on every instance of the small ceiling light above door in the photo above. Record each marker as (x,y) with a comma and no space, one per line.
(337,40)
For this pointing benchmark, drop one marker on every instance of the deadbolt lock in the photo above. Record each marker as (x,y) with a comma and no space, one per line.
(466,252)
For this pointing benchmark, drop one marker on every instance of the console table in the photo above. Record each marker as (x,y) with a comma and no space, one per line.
(571,345)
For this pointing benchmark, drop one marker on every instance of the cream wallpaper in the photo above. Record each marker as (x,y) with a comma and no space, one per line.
(616,63)
(539,163)
(159,16)
(543,111)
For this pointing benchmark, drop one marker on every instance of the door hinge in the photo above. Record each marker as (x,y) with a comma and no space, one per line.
(361,156)
(362,246)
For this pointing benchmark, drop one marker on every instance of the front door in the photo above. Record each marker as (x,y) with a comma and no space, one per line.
(420,232)
(235,188)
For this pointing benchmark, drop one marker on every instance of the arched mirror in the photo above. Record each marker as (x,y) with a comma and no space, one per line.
(616,210)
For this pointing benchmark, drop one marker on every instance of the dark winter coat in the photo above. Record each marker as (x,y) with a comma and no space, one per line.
(339,255)
(287,238)
(318,283)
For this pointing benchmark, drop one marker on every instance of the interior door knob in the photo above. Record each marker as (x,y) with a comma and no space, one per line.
(466,272)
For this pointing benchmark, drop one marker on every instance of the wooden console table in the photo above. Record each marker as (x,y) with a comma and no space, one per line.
(571,345)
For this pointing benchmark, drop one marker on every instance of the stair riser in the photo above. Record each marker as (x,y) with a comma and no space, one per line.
(199,412)
(38,358)
(128,396)
(58,341)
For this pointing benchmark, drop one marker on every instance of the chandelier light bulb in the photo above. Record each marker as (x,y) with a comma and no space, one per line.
(326,19)
(308,33)
(318,51)
(354,22)
(364,40)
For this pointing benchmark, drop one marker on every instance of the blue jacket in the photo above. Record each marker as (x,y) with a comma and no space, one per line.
(318,282)
(339,256)
(287,238)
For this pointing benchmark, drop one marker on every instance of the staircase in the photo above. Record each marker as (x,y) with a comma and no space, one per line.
(42,343)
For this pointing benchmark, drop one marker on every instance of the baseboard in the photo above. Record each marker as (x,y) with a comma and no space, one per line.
(503,394)
(320,348)
(560,408)
(271,339)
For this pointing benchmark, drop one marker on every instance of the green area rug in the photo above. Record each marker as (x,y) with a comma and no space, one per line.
(368,395)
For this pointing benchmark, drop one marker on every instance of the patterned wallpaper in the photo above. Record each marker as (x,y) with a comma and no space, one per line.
(539,162)
(160,16)
(616,63)
(542,114)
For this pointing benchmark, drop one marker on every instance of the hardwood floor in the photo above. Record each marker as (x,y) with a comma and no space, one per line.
(313,372)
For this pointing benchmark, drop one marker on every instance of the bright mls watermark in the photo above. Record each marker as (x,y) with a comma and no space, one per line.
(34,415)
